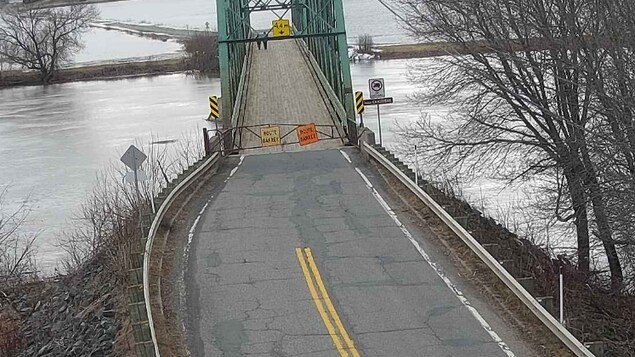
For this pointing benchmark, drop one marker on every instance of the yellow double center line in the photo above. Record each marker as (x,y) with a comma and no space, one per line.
(332,322)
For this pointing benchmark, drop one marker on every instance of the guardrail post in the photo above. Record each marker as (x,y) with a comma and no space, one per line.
(548,303)
(509,266)
(529,284)
(206,141)
(136,302)
(464,221)
(598,348)
(492,248)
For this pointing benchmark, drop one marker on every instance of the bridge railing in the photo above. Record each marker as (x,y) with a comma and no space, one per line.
(140,293)
(323,27)
(512,284)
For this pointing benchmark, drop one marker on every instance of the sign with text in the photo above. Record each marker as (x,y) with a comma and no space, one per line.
(307,134)
(388,100)
(281,28)
(270,136)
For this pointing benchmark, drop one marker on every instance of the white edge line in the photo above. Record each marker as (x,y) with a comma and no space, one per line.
(233,171)
(348,158)
(458,293)
(190,235)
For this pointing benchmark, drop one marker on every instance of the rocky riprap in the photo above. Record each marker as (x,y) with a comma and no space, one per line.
(70,316)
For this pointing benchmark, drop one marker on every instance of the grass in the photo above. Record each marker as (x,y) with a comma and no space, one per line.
(435,49)
(423,50)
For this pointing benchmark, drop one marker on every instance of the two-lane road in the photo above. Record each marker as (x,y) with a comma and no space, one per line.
(298,255)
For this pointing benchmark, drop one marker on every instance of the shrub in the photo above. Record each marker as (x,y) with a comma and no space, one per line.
(202,52)
(9,341)
(365,44)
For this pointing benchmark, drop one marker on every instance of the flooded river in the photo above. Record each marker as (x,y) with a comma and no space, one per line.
(54,140)
(362,17)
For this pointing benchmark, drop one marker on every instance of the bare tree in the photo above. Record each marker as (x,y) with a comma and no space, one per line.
(43,39)
(610,63)
(3,61)
(202,52)
(365,44)
(525,105)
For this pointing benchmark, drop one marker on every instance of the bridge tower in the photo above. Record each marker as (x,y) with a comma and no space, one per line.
(319,23)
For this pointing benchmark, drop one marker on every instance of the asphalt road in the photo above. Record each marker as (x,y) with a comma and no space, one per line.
(249,295)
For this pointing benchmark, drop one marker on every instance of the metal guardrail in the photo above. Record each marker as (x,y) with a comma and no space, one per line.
(532,304)
(242,86)
(158,218)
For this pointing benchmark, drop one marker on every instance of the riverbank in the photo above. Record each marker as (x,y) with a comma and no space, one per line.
(131,69)
(97,72)
(80,314)
(425,50)
(155,32)
(41,4)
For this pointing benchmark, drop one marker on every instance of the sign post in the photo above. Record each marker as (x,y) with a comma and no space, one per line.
(381,143)
(133,158)
(416,166)
(377,91)
(561,297)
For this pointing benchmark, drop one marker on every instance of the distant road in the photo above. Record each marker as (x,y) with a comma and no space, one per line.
(146,30)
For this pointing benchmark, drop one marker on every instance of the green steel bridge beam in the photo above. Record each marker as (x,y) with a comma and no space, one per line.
(233,21)
(320,23)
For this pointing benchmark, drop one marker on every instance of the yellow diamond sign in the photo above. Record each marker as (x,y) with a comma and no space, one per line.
(281,28)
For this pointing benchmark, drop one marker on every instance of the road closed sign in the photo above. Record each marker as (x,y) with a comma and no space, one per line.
(307,134)
(270,136)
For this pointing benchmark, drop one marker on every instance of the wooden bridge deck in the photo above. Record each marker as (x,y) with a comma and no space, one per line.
(281,90)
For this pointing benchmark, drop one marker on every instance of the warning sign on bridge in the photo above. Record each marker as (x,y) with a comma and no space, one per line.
(281,28)
(270,136)
(307,134)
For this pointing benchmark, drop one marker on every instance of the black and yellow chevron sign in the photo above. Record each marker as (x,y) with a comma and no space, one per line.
(359,102)
(213,107)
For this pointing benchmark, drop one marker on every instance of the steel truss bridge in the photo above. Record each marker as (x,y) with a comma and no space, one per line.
(317,27)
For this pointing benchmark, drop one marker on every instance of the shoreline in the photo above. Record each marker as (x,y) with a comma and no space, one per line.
(132,69)
(111,71)
(424,50)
